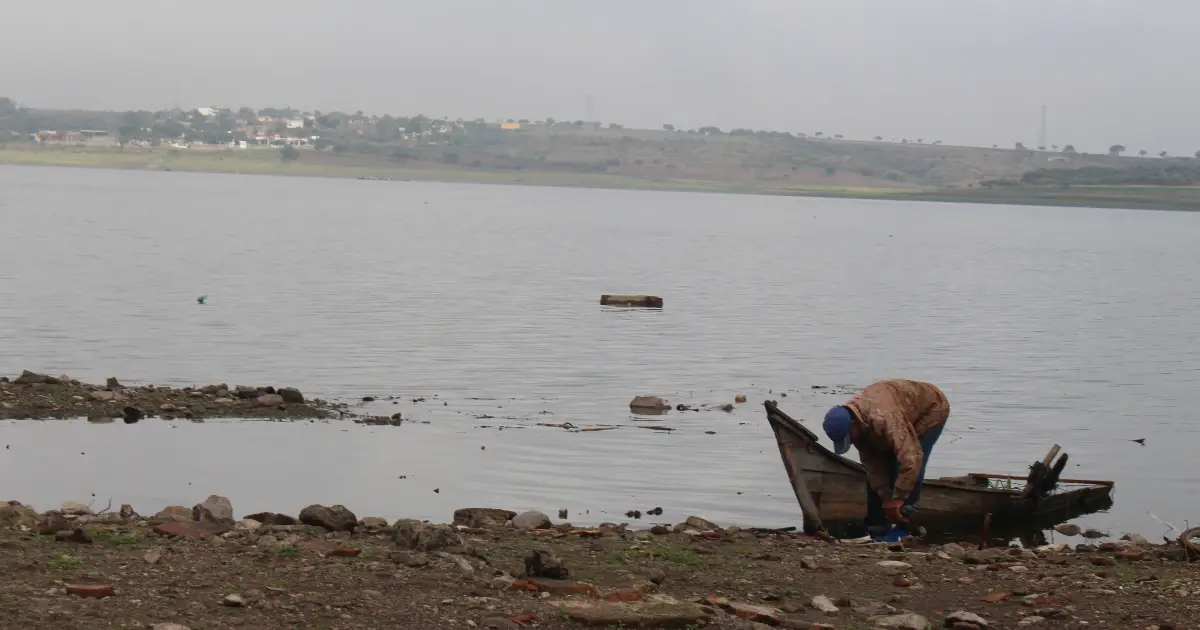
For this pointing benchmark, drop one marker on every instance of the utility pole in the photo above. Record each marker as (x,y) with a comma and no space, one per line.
(1042,132)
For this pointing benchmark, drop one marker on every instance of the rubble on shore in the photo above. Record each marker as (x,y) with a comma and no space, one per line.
(203,567)
(39,397)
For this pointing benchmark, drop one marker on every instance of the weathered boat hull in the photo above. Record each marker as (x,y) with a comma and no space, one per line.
(832,490)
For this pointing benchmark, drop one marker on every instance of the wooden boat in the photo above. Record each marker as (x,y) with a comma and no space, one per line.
(832,490)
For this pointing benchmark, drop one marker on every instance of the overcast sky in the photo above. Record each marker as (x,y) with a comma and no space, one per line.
(960,71)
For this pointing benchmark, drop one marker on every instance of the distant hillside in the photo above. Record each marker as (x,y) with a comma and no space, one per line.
(749,160)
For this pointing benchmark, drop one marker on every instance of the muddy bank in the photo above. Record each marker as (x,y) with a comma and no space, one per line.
(42,397)
(205,567)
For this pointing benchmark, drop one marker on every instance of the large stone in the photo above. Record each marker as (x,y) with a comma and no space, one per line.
(214,509)
(701,524)
(169,626)
(174,513)
(337,518)
(51,523)
(963,616)
(271,518)
(656,612)
(413,534)
(191,529)
(112,383)
(906,621)
(33,378)
(103,395)
(531,520)
(649,403)
(291,395)
(13,514)
(482,517)
(268,400)
(542,563)
(246,393)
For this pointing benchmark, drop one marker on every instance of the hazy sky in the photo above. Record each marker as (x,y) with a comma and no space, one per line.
(961,71)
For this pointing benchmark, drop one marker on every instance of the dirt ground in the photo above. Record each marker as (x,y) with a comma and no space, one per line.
(481,573)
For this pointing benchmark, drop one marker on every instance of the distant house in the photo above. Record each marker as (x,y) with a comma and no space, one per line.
(510,126)
(83,137)
(295,123)
(207,112)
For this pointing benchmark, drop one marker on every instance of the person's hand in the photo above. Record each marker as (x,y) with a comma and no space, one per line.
(892,509)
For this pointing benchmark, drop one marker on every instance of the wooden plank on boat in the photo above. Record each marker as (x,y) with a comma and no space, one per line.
(1090,482)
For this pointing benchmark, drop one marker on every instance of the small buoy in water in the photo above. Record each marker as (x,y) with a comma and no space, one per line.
(201,299)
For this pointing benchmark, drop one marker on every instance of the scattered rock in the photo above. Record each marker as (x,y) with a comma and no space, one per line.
(112,383)
(127,512)
(152,556)
(482,517)
(1069,529)
(701,524)
(1031,620)
(1102,561)
(649,403)
(657,612)
(174,513)
(541,563)
(963,616)
(373,524)
(233,600)
(214,509)
(190,529)
(902,582)
(894,564)
(168,408)
(1094,533)
(531,520)
(33,378)
(413,534)
(291,395)
(96,591)
(562,514)
(826,605)
(248,525)
(906,621)
(335,518)
(169,626)
(1137,539)
(246,393)
(132,414)
(76,535)
(271,518)
(740,398)
(102,395)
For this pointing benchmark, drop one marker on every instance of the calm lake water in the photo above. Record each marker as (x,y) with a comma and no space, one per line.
(1043,325)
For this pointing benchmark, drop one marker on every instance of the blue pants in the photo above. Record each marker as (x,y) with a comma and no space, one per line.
(875,515)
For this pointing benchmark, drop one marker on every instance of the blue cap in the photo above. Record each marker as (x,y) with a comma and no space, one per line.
(837,427)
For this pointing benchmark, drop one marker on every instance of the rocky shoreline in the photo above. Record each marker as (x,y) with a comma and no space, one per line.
(33,396)
(203,567)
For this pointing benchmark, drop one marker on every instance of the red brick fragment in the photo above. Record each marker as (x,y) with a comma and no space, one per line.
(97,591)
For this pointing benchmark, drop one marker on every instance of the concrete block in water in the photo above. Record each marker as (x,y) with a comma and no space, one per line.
(644,301)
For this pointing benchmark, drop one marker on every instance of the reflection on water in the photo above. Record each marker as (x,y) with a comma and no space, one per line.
(1043,325)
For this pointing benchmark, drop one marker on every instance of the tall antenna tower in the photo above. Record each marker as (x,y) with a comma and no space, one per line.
(1042,132)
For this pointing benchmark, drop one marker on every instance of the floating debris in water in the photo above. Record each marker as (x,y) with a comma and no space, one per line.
(202,299)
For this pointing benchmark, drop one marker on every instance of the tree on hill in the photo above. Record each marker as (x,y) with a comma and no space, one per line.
(7,106)
(1069,149)
(1198,154)
(1116,149)
(668,127)
(819,134)
(288,154)
(1142,153)
(878,138)
(1162,154)
(1020,146)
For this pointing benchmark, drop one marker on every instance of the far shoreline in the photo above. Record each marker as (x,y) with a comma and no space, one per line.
(1170,198)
